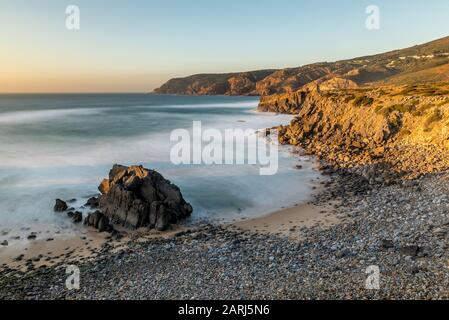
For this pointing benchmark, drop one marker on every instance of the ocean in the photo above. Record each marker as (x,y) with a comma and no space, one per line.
(62,146)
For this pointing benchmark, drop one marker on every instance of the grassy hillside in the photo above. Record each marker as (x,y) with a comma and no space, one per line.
(419,64)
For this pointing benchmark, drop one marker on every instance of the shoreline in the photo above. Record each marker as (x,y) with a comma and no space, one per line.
(319,249)
(229,262)
(87,243)
(287,222)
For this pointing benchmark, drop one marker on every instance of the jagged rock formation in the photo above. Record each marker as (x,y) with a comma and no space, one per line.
(291,103)
(215,84)
(419,64)
(137,197)
(403,128)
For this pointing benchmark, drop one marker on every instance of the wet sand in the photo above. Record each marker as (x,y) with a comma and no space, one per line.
(47,253)
(87,244)
(287,222)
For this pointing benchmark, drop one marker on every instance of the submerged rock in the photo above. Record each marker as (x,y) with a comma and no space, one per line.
(60,206)
(136,197)
(32,236)
(77,217)
(92,202)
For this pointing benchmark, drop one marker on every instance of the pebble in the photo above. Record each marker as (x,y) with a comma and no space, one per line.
(215,262)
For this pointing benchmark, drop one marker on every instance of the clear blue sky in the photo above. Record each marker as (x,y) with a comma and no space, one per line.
(135,45)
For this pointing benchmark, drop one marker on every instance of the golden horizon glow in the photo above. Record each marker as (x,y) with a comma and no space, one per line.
(79,83)
(124,47)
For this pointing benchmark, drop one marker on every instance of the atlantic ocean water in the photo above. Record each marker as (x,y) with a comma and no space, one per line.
(63,145)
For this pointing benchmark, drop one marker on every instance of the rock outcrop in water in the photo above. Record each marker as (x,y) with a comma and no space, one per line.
(136,197)
(60,206)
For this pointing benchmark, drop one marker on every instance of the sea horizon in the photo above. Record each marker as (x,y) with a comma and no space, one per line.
(83,168)
(257,154)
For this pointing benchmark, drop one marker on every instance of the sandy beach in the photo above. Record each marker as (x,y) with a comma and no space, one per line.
(287,222)
(87,244)
(337,237)
(34,249)
(43,252)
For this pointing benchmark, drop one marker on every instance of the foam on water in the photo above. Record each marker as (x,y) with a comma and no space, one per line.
(63,146)
(42,115)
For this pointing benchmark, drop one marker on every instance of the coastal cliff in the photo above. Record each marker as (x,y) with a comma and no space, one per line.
(399,129)
(424,63)
(215,84)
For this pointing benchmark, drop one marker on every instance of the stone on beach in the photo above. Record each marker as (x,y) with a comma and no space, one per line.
(77,217)
(92,202)
(137,197)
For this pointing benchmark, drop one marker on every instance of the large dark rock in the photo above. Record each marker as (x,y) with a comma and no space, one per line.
(98,221)
(411,251)
(60,206)
(77,217)
(92,202)
(137,197)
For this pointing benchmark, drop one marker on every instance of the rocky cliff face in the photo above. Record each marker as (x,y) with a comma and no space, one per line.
(403,128)
(137,197)
(215,84)
(419,64)
(291,103)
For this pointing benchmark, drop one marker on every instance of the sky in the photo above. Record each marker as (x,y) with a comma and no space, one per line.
(136,45)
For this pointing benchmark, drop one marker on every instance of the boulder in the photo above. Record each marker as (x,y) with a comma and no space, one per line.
(92,202)
(136,197)
(60,206)
(387,244)
(410,251)
(32,236)
(162,219)
(98,221)
(77,217)
(104,225)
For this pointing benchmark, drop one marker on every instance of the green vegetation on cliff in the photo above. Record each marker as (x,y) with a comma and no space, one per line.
(393,126)
(419,64)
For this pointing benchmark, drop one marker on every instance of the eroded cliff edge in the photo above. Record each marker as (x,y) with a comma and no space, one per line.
(380,132)
(424,63)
